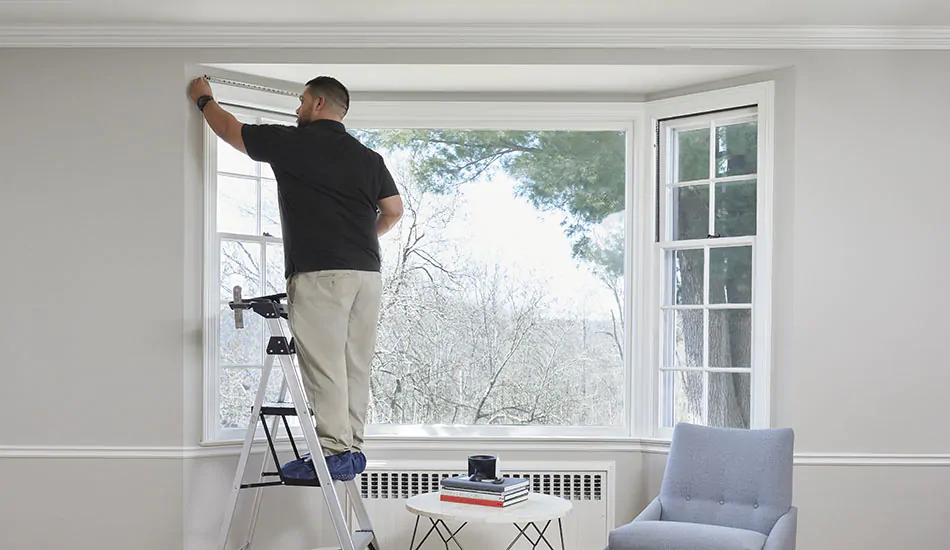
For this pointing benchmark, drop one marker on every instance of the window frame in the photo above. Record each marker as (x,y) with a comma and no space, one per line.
(624,117)
(211,301)
(642,284)
(701,109)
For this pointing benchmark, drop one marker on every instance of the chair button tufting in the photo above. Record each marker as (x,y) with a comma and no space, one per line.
(756,505)
(722,502)
(687,497)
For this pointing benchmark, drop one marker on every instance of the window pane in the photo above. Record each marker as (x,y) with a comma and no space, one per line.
(237,205)
(692,155)
(270,211)
(687,275)
(729,399)
(730,275)
(684,342)
(240,265)
(238,388)
(736,149)
(682,398)
(241,346)
(690,212)
(503,283)
(730,338)
(267,171)
(735,208)
(232,161)
(276,283)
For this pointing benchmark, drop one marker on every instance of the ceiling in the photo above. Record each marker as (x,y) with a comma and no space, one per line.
(601,79)
(626,12)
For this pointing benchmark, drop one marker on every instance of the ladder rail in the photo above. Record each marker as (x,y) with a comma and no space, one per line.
(316,450)
(243,460)
(356,501)
(259,491)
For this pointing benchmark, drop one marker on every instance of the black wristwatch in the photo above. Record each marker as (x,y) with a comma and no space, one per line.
(203,100)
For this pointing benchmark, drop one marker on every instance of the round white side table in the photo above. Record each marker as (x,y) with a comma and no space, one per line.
(537,509)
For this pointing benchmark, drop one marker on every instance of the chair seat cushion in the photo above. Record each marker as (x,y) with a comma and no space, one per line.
(675,535)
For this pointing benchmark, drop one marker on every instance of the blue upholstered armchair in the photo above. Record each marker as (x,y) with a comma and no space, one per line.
(724,489)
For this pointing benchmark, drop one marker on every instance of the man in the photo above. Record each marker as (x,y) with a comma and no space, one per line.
(336,198)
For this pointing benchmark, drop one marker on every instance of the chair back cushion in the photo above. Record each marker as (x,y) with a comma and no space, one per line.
(728,477)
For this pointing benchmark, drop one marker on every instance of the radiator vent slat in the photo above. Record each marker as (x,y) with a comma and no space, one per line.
(406,484)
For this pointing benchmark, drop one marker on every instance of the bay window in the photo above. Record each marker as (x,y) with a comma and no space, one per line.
(551,277)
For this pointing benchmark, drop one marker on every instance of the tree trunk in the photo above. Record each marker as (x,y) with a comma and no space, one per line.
(728,392)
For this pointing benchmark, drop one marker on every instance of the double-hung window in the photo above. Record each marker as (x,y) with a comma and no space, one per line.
(246,251)
(712,266)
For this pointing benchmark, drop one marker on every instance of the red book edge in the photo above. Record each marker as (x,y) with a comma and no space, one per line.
(479,502)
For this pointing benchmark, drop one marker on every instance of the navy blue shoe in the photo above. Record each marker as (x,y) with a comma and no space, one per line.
(359,462)
(302,468)
(340,466)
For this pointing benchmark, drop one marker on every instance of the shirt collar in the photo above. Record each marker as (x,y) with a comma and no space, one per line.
(326,123)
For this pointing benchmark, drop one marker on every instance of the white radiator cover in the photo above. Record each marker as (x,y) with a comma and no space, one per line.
(588,485)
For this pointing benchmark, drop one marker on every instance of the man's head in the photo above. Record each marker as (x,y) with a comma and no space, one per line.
(324,98)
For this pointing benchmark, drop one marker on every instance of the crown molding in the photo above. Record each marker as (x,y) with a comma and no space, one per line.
(453,35)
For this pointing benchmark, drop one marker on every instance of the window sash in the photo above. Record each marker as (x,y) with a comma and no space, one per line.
(665,148)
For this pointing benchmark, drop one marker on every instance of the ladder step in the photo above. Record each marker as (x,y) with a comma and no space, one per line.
(290,482)
(280,409)
(361,541)
(301,482)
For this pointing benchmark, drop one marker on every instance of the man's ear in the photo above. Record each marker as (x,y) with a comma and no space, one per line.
(320,103)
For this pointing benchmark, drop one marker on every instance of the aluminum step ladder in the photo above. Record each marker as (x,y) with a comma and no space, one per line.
(281,347)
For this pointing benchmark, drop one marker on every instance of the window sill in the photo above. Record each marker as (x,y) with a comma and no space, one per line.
(473,443)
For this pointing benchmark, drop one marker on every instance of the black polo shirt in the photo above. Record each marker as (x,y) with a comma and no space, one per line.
(328,184)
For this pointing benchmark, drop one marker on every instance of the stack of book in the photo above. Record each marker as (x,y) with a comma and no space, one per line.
(499,493)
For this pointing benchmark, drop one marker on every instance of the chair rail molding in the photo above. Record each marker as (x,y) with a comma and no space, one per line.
(631,445)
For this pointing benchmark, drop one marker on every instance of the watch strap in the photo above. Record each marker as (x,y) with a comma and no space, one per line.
(203,100)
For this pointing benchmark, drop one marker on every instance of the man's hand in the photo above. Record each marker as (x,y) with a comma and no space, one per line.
(199,87)
(222,122)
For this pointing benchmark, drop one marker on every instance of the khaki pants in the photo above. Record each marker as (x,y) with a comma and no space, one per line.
(333,316)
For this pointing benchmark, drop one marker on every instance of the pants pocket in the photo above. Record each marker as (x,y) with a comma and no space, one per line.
(331,274)
(290,288)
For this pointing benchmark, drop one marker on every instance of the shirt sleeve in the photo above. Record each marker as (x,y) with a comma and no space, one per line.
(267,142)
(387,187)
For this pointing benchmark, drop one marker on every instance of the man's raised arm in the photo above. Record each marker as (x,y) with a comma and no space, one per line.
(223,123)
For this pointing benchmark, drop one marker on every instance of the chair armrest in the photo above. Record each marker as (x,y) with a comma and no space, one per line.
(651,512)
(783,532)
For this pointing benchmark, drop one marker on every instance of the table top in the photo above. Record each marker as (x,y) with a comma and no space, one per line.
(538,507)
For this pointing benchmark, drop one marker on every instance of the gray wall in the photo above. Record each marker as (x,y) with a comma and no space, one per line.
(92,218)
(101,212)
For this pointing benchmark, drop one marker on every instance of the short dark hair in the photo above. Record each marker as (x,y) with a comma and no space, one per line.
(332,90)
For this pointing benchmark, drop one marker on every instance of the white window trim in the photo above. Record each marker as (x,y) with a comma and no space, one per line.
(211,301)
(640,283)
(648,380)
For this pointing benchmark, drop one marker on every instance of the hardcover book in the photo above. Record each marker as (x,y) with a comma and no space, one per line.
(503,485)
